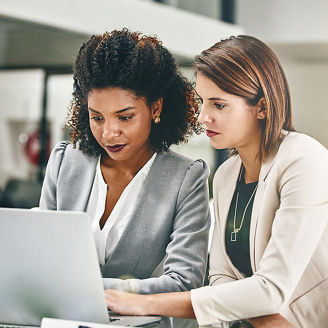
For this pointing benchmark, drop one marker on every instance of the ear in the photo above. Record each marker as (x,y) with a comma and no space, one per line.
(261,109)
(157,107)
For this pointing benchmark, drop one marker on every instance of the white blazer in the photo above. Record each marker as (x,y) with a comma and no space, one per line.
(288,241)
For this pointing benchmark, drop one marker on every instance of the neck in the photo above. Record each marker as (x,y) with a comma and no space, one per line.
(130,166)
(251,163)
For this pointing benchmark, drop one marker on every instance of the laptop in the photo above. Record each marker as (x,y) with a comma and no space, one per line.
(49,268)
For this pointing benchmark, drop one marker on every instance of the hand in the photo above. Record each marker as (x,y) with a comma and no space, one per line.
(126,303)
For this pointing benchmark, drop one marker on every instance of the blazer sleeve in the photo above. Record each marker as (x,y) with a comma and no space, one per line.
(48,199)
(302,184)
(220,271)
(186,254)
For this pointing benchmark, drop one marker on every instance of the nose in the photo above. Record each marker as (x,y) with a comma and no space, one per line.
(204,115)
(111,130)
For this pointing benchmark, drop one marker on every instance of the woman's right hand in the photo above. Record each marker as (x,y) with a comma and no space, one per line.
(126,303)
(177,304)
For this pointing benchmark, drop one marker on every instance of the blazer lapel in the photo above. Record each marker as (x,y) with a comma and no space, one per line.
(137,228)
(225,195)
(254,219)
(265,169)
(81,177)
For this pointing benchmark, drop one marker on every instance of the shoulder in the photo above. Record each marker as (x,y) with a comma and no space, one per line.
(301,164)
(301,147)
(179,164)
(301,142)
(186,180)
(175,174)
(65,160)
(64,150)
(59,150)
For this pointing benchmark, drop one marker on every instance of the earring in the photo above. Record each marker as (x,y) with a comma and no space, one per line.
(157,119)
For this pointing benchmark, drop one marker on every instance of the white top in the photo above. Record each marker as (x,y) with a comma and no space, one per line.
(107,238)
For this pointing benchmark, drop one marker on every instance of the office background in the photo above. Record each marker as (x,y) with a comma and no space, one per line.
(40,39)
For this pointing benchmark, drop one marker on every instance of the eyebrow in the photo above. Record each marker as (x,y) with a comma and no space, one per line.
(217,98)
(119,111)
(212,98)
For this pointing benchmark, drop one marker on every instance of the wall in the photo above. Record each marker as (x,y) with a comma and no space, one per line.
(309,89)
(298,32)
(284,20)
(181,31)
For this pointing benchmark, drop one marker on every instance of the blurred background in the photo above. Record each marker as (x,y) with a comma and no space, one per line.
(39,40)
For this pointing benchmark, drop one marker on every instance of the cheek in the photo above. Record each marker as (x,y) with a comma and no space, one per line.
(94,129)
(143,132)
(142,128)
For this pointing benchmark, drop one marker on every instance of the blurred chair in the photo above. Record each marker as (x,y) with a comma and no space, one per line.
(21,194)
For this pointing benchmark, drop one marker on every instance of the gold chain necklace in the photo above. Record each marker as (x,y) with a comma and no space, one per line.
(233,236)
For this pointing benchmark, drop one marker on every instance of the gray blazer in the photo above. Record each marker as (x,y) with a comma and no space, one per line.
(171,219)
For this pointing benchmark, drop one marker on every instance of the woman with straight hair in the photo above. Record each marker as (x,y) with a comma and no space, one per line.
(268,260)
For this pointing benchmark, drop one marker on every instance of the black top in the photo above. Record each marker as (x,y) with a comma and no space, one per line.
(238,250)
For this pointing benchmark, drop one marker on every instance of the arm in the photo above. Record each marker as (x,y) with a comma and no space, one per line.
(299,222)
(176,305)
(48,199)
(270,321)
(186,253)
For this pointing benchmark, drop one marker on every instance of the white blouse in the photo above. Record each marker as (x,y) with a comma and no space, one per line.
(107,238)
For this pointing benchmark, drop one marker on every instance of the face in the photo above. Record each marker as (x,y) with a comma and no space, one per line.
(120,122)
(230,122)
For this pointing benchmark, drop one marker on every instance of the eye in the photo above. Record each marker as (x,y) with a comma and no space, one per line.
(219,106)
(125,118)
(199,100)
(96,118)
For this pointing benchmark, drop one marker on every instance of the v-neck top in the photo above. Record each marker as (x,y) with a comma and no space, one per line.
(238,250)
(108,237)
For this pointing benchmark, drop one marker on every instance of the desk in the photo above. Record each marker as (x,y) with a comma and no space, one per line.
(186,323)
(276,321)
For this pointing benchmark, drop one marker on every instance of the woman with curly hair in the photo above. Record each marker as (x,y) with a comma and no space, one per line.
(149,205)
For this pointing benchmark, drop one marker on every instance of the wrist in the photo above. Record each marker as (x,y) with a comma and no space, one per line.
(149,304)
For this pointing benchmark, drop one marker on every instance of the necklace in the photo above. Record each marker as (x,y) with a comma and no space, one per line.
(233,236)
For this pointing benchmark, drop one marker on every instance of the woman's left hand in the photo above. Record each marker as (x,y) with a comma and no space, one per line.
(125,303)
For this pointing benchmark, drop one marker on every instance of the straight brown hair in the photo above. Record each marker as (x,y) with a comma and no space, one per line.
(245,66)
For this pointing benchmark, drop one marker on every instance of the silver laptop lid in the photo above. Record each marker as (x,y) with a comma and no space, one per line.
(49,268)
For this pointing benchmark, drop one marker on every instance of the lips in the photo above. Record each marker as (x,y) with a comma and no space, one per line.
(115,148)
(211,133)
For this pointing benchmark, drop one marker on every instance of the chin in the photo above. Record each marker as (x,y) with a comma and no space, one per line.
(218,145)
(117,156)
(120,157)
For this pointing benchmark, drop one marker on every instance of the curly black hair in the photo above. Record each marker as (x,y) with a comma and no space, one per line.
(139,63)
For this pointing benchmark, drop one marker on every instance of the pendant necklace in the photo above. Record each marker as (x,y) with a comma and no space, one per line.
(233,236)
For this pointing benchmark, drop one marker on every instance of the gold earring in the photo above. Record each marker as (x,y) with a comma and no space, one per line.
(157,119)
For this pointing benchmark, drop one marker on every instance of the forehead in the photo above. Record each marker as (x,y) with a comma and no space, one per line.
(112,93)
(206,88)
(114,100)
